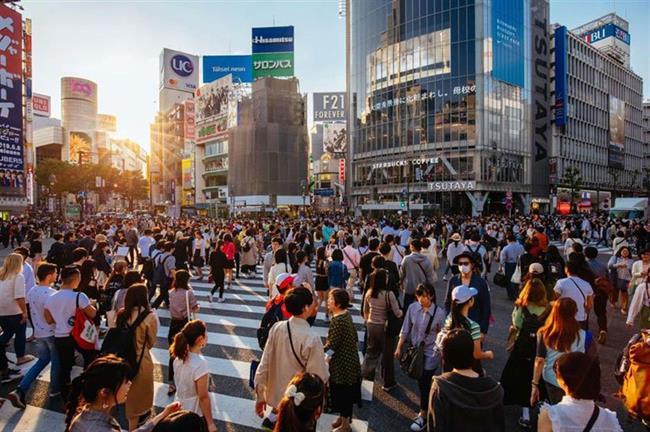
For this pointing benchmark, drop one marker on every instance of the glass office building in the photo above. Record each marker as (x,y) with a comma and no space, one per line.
(441,97)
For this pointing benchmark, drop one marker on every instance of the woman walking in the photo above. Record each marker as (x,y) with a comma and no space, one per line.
(620,267)
(322,284)
(136,311)
(281,266)
(229,249)
(342,351)
(199,247)
(181,297)
(218,263)
(191,371)
(377,303)
(530,313)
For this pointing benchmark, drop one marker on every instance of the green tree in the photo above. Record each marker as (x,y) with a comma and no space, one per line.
(133,186)
(573,179)
(646,181)
(633,178)
(615,180)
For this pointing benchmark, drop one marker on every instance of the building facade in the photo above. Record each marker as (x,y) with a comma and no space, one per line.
(598,110)
(441,105)
(268,148)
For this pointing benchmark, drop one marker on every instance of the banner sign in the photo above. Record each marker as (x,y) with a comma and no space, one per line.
(445,186)
(218,66)
(189,124)
(12,176)
(273,65)
(324,192)
(178,70)
(272,39)
(342,171)
(508,41)
(41,104)
(561,106)
(329,106)
(616,157)
(212,99)
(608,30)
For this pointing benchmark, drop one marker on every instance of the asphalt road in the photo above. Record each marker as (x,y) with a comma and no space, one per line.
(385,412)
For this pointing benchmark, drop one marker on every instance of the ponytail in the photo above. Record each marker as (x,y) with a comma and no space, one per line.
(458,320)
(300,407)
(186,338)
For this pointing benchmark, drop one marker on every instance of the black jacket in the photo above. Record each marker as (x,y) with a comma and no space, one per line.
(460,403)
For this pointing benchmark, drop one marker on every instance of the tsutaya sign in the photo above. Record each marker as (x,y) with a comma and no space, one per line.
(460,185)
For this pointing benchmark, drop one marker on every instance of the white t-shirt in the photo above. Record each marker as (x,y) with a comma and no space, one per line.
(10,290)
(62,306)
(185,375)
(573,414)
(37,297)
(567,288)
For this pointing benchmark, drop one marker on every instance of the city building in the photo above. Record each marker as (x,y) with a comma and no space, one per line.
(646,133)
(598,108)
(268,148)
(444,115)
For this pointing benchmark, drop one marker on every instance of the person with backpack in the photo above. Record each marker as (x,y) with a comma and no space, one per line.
(352,260)
(182,304)
(528,316)
(640,306)
(249,254)
(477,252)
(163,273)
(275,310)
(416,269)
(63,309)
(291,347)
(143,325)
(579,378)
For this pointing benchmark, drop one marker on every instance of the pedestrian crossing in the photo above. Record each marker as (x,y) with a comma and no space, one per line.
(232,344)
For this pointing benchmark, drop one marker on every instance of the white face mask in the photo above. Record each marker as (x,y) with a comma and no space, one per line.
(465,268)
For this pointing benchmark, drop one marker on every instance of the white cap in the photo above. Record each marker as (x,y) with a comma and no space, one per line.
(462,293)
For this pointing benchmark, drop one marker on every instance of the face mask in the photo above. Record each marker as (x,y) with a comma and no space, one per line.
(465,268)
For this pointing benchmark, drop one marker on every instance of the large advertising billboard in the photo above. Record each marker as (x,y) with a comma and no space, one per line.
(561,106)
(329,106)
(508,41)
(218,66)
(187,171)
(334,138)
(78,88)
(272,39)
(80,147)
(107,122)
(12,174)
(616,132)
(212,99)
(273,65)
(179,70)
(41,105)
(608,30)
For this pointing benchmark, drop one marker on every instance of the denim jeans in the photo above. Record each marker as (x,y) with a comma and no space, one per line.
(46,353)
(11,325)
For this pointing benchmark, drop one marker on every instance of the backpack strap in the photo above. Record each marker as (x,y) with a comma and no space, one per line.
(292,348)
(592,419)
(132,327)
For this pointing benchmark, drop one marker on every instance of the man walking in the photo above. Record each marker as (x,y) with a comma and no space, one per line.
(416,269)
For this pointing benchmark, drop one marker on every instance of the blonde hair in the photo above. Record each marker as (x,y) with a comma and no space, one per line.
(12,266)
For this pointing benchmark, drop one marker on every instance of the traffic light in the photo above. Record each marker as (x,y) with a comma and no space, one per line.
(402,204)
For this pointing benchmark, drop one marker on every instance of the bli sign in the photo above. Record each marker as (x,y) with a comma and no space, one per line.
(182,65)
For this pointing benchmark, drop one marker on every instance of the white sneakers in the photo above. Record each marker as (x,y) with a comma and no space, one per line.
(419,424)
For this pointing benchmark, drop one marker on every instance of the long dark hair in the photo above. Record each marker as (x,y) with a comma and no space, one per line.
(137,296)
(108,372)
(378,282)
(131,278)
(185,338)
(458,320)
(301,417)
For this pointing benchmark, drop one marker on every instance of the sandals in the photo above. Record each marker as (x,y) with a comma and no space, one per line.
(171,390)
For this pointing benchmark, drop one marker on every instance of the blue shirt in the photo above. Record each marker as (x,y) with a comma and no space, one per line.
(599,269)
(337,274)
(415,326)
(510,253)
(327,233)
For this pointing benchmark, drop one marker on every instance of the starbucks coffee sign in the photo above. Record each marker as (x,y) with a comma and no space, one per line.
(446,186)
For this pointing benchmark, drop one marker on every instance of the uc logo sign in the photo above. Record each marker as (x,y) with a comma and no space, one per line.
(182,65)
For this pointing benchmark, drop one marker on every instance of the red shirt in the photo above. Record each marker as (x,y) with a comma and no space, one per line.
(229,250)
(277,300)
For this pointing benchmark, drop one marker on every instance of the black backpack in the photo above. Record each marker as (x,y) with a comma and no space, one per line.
(476,257)
(120,341)
(270,317)
(247,245)
(526,341)
(159,276)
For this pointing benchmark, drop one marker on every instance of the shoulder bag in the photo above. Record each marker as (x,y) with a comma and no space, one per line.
(292,348)
(516,276)
(393,324)
(190,315)
(412,359)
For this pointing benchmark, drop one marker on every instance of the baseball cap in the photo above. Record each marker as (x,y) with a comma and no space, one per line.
(462,293)
(536,268)
(284,281)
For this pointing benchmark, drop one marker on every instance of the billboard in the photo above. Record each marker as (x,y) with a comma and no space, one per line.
(218,66)
(80,147)
(178,70)
(508,41)
(541,93)
(78,88)
(608,30)
(187,169)
(273,65)
(41,105)
(616,132)
(334,138)
(189,122)
(12,174)
(212,99)
(561,106)
(272,39)
(211,130)
(107,122)
(329,106)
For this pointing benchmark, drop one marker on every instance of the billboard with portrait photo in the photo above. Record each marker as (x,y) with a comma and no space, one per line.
(616,132)
(211,100)
(334,138)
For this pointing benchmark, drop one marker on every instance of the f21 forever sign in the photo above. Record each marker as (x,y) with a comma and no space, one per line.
(329,107)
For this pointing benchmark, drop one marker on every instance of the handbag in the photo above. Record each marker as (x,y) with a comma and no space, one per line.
(393,324)
(84,331)
(190,315)
(516,276)
(412,359)
(500,279)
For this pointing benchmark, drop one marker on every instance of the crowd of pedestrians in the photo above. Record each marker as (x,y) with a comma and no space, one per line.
(98,292)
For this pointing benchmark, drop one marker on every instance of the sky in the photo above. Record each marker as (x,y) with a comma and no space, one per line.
(116,43)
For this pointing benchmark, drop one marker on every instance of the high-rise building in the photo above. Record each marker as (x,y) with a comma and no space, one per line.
(448,105)
(268,149)
(598,129)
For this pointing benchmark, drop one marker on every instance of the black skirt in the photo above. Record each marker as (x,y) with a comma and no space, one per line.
(230,264)
(344,395)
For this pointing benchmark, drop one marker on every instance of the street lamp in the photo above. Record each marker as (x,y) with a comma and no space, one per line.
(303,187)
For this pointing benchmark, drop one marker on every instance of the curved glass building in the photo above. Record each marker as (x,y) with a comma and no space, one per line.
(442,97)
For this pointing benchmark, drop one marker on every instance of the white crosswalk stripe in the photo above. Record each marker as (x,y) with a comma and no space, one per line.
(246,297)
